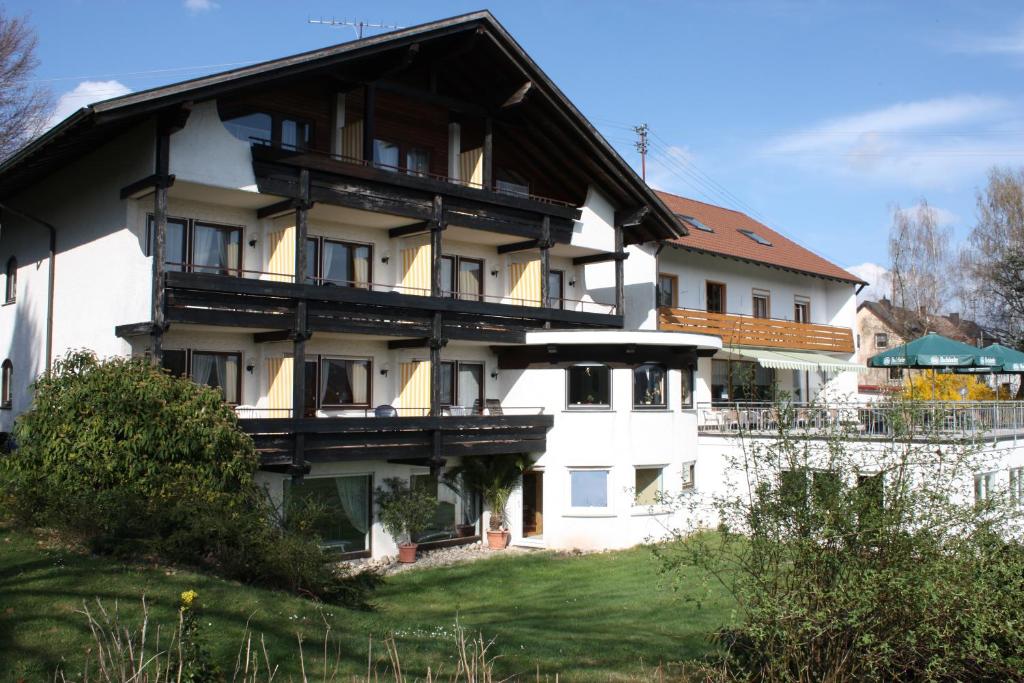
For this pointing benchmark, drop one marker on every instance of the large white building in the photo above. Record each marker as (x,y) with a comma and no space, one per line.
(402,251)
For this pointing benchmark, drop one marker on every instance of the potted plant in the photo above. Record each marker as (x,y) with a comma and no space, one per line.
(494,478)
(404,512)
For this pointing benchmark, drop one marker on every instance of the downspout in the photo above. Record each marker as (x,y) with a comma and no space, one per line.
(50,279)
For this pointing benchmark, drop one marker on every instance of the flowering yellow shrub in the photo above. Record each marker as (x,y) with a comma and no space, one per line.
(929,385)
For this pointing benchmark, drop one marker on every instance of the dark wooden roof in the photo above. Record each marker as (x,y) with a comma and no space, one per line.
(491,66)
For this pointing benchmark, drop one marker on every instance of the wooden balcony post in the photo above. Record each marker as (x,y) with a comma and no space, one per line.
(488,155)
(301,325)
(437,226)
(620,288)
(436,342)
(159,248)
(545,263)
(369,129)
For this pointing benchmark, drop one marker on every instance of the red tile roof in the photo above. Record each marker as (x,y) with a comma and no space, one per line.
(727,240)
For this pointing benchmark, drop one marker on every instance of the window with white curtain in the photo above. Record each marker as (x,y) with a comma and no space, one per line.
(346,502)
(218,370)
(462,384)
(386,155)
(344,382)
(462,278)
(339,264)
(202,247)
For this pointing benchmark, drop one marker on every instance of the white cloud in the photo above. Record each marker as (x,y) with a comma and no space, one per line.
(85,93)
(1011,43)
(905,142)
(943,217)
(877,278)
(197,6)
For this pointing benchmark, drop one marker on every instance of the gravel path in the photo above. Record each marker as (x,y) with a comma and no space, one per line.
(441,557)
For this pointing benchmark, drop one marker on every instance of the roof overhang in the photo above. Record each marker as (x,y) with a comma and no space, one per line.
(707,252)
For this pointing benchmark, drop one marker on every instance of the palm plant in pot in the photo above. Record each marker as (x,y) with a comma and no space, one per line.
(494,478)
(404,513)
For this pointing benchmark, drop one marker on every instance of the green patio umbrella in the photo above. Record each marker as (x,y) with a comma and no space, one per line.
(1010,362)
(934,351)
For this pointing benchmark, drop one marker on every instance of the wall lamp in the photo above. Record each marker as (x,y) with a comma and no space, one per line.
(572,283)
(494,374)
(494,273)
(385,259)
(252,243)
(384,370)
(250,366)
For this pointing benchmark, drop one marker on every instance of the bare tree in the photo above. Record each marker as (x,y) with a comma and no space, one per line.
(994,257)
(921,261)
(24,107)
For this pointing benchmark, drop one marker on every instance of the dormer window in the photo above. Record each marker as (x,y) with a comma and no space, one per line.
(754,236)
(263,128)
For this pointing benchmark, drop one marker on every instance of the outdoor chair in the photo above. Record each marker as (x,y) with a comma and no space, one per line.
(385,411)
(493,406)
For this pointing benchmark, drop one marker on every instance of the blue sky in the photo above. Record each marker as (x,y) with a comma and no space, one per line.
(816,117)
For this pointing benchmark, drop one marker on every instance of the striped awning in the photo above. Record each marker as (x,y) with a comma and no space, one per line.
(799,360)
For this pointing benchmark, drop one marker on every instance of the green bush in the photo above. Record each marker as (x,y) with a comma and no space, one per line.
(404,511)
(857,560)
(139,463)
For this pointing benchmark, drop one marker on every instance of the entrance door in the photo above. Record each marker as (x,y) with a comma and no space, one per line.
(533,503)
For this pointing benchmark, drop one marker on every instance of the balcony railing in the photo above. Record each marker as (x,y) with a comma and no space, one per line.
(746,330)
(927,419)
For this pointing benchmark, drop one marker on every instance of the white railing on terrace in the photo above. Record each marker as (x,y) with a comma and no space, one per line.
(253,412)
(579,305)
(953,419)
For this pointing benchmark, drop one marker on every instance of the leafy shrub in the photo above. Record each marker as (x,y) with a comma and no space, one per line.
(404,511)
(854,560)
(138,463)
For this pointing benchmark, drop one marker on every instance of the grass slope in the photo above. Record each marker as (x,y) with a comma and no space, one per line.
(592,617)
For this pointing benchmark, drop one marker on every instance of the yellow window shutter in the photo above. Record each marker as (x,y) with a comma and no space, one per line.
(414,395)
(282,255)
(416,270)
(471,167)
(279,379)
(352,140)
(524,278)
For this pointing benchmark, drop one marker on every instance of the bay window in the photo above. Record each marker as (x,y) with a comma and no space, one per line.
(589,386)
(649,382)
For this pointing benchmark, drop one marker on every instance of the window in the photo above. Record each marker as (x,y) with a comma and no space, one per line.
(693,222)
(686,390)
(462,278)
(648,489)
(199,247)
(220,371)
(6,384)
(417,162)
(984,486)
(668,288)
(793,488)
(589,386)
(344,382)
(761,303)
(346,503)
(11,287)
(801,309)
(340,264)
(741,381)
(588,488)
(175,362)
(1017,486)
(267,129)
(386,155)
(689,475)
(649,386)
(881,340)
(462,384)
(556,289)
(870,496)
(754,236)
(715,297)
(895,373)
(442,527)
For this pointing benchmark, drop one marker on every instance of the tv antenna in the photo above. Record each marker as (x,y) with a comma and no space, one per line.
(357,25)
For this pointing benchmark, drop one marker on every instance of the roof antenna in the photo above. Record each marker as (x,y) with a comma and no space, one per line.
(641,146)
(357,25)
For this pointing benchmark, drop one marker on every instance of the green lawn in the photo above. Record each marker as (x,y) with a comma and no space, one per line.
(593,617)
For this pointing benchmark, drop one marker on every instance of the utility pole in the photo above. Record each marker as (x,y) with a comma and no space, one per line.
(357,25)
(641,146)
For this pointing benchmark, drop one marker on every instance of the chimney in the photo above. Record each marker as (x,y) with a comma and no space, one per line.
(885,302)
(954,318)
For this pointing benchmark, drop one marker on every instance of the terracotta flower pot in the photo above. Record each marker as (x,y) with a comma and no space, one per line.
(407,552)
(497,540)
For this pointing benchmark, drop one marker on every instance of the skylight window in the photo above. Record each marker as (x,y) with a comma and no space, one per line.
(690,220)
(757,238)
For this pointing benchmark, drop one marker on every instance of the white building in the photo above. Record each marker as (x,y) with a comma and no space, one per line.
(459,264)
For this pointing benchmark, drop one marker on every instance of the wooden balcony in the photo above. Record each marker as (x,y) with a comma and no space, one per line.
(745,330)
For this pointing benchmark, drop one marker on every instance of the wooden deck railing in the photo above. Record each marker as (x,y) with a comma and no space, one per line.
(745,330)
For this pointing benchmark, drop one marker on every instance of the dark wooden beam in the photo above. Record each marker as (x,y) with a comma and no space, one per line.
(143,329)
(417,343)
(277,208)
(488,154)
(519,96)
(545,262)
(631,217)
(273,336)
(142,187)
(518,246)
(451,103)
(159,248)
(369,127)
(437,342)
(411,229)
(521,357)
(437,226)
(620,271)
(599,258)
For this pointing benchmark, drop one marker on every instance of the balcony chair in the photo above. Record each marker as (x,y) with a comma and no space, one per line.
(385,410)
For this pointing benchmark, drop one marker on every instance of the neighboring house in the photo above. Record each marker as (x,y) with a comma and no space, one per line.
(881,326)
(409,249)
